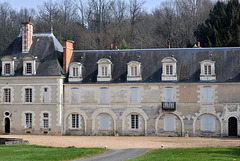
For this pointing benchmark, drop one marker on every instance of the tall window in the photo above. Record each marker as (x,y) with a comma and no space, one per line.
(104,71)
(169,122)
(28,95)
(134,95)
(134,122)
(133,70)
(169,69)
(168,94)
(75,121)
(75,71)
(207,94)
(104,121)
(75,99)
(45,95)
(28,120)
(45,120)
(7,95)
(207,70)
(207,122)
(28,68)
(7,68)
(104,95)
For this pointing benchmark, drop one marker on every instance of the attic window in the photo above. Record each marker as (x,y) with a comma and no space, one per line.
(169,69)
(134,71)
(207,70)
(8,65)
(104,70)
(29,65)
(75,72)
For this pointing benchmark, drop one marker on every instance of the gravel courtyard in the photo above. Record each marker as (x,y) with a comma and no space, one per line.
(125,142)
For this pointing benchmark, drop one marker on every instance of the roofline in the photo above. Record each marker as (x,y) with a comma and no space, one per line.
(160,49)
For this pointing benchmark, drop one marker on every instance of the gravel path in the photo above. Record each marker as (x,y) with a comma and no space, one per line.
(117,155)
(125,142)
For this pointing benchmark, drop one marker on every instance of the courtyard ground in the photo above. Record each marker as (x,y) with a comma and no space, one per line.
(125,142)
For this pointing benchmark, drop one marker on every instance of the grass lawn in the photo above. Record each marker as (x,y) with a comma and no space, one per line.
(45,153)
(192,154)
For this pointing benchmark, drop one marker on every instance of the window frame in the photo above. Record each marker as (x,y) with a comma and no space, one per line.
(134,71)
(7,95)
(28,120)
(207,70)
(45,120)
(28,95)
(104,70)
(75,117)
(169,69)
(134,122)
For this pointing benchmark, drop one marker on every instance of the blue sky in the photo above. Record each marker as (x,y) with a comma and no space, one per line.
(18,4)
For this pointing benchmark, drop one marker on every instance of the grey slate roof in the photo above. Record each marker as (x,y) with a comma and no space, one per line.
(227,63)
(47,49)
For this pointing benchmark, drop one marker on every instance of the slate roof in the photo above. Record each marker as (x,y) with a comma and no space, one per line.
(227,63)
(45,47)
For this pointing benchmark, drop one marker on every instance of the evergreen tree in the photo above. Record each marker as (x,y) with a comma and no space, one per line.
(222,28)
(124,45)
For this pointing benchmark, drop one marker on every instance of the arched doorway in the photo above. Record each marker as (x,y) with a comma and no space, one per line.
(232,126)
(7,125)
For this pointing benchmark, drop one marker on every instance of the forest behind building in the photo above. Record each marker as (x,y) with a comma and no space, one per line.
(95,24)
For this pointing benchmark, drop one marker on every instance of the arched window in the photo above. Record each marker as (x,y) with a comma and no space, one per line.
(169,69)
(207,70)
(134,71)
(75,72)
(104,70)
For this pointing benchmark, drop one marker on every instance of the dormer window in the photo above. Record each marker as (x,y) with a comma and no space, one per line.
(29,65)
(75,72)
(8,65)
(134,71)
(104,70)
(169,69)
(207,70)
(29,68)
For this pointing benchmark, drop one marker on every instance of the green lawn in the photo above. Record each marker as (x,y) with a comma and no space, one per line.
(192,154)
(45,153)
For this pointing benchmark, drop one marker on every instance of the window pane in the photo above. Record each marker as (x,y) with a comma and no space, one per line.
(29,68)
(28,95)
(134,122)
(7,68)
(28,120)
(7,95)
(75,121)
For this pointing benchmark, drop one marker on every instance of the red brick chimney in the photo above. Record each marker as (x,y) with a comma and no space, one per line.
(27,32)
(67,53)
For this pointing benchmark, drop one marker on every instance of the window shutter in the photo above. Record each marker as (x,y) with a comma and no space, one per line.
(207,122)
(74,95)
(169,94)
(134,95)
(207,94)
(104,95)
(169,122)
(104,121)
(45,98)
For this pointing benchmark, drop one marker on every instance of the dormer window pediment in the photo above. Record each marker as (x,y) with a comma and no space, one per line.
(29,65)
(104,70)
(75,72)
(8,65)
(207,70)
(169,69)
(134,71)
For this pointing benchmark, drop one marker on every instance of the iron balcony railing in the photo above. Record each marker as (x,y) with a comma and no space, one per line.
(169,106)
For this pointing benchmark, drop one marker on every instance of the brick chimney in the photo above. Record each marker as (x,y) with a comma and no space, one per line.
(67,53)
(27,32)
